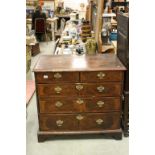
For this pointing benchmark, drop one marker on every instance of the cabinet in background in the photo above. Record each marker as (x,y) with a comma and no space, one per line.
(123,54)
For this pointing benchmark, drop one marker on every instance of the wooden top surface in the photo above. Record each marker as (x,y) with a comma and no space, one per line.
(63,63)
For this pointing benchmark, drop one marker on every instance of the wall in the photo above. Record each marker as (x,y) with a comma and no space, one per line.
(74,4)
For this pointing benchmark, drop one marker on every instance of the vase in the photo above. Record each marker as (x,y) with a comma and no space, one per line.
(91,46)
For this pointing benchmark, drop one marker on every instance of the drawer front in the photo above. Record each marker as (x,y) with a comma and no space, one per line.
(72,105)
(58,122)
(52,77)
(103,104)
(101,89)
(101,76)
(57,90)
(80,89)
(61,105)
(100,121)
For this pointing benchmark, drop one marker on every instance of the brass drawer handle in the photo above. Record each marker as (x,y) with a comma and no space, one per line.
(99,121)
(57,75)
(100,89)
(79,101)
(58,104)
(45,76)
(79,87)
(100,103)
(58,89)
(59,122)
(101,75)
(79,117)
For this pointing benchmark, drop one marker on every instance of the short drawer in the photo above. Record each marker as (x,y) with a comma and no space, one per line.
(57,122)
(100,121)
(103,104)
(57,90)
(101,76)
(111,89)
(52,77)
(61,105)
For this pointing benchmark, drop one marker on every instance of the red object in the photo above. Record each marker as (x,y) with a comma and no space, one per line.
(41,2)
(40,26)
(30,89)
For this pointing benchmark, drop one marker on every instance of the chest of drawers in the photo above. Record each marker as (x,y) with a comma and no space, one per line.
(79,95)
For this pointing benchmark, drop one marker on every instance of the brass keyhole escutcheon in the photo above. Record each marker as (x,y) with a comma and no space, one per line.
(58,104)
(101,75)
(79,117)
(100,103)
(58,89)
(79,101)
(59,122)
(100,89)
(99,121)
(57,75)
(79,87)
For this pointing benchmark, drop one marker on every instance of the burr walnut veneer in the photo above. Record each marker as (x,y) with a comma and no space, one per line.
(79,95)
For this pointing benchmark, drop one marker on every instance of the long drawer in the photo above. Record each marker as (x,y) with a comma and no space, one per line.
(53,77)
(80,89)
(74,122)
(75,104)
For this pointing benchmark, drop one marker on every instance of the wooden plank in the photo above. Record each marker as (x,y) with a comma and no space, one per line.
(100,6)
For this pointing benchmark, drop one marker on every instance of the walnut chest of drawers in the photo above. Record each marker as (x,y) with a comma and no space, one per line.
(79,95)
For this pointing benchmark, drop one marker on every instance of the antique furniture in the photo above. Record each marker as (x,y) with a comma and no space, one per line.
(79,95)
(52,22)
(120,3)
(53,26)
(40,27)
(123,54)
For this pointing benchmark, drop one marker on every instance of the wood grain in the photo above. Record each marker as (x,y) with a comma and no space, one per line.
(67,63)
(89,89)
(71,104)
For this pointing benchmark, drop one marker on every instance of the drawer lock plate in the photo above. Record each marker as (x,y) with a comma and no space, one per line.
(59,122)
(100,89)
(99,121)
(79,87)
(79,101)
(100,103)
(101,75)
(58,89)
(58,104)
(57,75)
(79,117)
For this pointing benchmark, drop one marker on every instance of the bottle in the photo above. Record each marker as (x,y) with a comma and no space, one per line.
(91,45)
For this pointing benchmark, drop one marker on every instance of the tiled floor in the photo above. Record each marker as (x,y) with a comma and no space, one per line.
(92,146)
